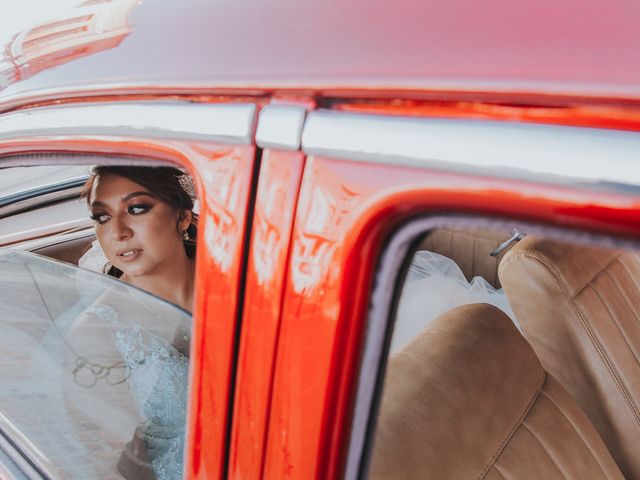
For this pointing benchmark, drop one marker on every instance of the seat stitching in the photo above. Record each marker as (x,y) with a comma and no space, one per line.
(616,322)
(573,426)
(495,467)
(631,275)
(564,284)
(515,427)
(553,460)
(623,293)
(603,354)
(594,340)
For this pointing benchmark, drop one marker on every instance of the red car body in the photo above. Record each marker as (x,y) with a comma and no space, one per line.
(293,230)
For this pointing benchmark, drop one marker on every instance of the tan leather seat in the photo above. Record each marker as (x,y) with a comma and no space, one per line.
(579,307)
(470,249)
(468,399)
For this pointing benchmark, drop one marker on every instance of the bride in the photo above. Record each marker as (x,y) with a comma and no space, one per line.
(145,229)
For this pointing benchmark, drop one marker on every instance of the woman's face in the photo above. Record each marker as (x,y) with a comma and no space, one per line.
(138,232)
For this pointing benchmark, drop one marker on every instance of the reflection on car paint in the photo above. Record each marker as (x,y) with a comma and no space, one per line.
(81,31)
(226,174)
(278,185)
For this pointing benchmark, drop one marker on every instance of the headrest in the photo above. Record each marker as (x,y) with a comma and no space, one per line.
(574,265)
(454,396)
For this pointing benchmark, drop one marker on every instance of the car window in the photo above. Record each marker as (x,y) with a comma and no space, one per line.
(93,372)
(42,202)
(505,343)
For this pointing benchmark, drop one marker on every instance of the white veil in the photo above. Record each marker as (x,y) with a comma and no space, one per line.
(434,285)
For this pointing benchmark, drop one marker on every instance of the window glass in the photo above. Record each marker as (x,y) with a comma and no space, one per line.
(18,180)
(41,201)
(93,371)
(97,270)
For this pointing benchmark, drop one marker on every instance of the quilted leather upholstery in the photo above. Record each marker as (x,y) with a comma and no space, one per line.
(468,398)
(579,306)
(470,249)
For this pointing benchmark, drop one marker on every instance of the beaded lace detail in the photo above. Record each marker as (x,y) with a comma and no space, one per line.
(158,376)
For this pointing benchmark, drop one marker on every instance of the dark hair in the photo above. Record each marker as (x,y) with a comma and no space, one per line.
(164,183)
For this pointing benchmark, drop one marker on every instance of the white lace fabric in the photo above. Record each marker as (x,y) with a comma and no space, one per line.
(158,381)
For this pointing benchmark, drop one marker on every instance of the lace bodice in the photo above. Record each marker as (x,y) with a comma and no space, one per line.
(157,379)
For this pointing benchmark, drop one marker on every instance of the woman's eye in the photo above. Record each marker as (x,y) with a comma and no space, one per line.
(138,209)
(100,217)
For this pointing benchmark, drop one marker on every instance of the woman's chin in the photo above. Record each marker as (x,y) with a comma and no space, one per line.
(132,272)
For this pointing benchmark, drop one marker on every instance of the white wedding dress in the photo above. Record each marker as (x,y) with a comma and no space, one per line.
(434,285)
(158,382)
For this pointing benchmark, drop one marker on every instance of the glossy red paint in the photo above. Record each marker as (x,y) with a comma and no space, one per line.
(346,211)
(532,46)
(278,185)
(224,176)
(583,115)
(83,31)
(227,175)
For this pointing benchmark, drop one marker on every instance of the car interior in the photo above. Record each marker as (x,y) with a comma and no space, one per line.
(42,212)
(471,396)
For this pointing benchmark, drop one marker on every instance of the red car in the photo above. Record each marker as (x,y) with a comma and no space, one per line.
(329,142)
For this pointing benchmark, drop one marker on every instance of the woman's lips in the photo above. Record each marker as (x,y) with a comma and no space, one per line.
(129,254)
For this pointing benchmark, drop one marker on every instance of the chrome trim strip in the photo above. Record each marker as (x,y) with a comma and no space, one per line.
(577,156)
(39,232)
(25,452)
(228,123)
(13,465)
(58,238)
(280,126)
(41,195)
(364,86)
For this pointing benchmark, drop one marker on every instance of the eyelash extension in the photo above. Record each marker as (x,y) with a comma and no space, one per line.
(96,217)
(144,206)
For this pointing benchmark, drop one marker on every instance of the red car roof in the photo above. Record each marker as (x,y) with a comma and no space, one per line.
(576,47)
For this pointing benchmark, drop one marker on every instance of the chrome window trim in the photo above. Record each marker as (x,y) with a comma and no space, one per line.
(47,231)
(280,126)
(42,195)
(20,450)
(12,465)
(576,156)
(227,123)
(393,261)
(58,238)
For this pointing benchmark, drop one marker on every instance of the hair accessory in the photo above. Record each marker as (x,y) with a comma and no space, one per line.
(186,182)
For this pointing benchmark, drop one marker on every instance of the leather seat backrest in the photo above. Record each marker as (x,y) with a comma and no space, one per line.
(468,398)
(579,307)
(470,249)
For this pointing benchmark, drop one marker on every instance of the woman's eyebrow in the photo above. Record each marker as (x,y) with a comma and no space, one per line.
(136,194)
(97,203)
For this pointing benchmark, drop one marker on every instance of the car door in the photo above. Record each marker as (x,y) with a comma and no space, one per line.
(375,180)
(214,142)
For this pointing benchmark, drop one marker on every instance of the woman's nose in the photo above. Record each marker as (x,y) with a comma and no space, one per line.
(120,228)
